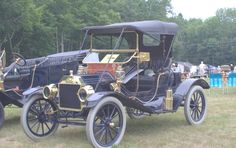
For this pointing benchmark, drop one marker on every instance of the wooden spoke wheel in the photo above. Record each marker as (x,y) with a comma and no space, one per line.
(39,118)
(106,123)
(195,106)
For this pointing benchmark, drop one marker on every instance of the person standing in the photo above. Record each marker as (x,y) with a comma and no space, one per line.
(231,67)
(201,69)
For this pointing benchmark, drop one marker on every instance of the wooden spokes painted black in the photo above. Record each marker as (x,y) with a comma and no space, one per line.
(40,120)
(197,105)
(107,124)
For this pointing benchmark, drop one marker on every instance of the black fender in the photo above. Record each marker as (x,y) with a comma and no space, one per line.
(183,89)
(29,93)
(6,99)
(97,97)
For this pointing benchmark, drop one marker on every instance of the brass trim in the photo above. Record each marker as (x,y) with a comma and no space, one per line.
(169,100)
(115,51)
(74,79)
(144,56)
(88,90)
(1,85)
(53,90)
(115,87)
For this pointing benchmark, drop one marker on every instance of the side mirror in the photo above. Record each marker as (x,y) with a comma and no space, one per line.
(144,56)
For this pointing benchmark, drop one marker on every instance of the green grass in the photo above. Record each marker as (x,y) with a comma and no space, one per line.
(165,130)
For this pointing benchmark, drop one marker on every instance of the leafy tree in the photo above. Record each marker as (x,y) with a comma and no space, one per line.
(17,21)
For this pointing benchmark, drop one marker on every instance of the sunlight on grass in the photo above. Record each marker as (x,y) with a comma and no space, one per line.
(164,130)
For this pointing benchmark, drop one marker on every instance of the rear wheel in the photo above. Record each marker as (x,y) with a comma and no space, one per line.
(195,106)
(106,123)
(38,118)
(2,115)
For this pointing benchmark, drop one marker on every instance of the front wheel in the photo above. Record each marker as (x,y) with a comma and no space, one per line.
(195,106)
(38,118)
(106,123)
(2,115)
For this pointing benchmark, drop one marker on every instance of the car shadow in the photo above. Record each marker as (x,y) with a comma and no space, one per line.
(153,124)
(13,121)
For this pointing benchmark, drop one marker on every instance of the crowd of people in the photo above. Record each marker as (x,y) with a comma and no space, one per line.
(203,70)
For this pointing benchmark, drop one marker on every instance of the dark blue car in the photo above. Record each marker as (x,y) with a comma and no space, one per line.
(24,76)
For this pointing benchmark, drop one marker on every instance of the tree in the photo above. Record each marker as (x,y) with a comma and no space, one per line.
(17,20)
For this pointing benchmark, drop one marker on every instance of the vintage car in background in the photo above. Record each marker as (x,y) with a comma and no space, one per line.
(128,67)
(25,76)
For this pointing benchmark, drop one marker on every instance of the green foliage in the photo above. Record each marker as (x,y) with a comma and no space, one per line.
(40,27)
(211,41)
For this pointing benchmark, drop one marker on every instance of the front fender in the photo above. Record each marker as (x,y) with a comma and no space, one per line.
(31,92)
(183,89)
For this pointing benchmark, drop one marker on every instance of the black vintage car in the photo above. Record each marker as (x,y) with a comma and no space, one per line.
(24,77)
(128,67)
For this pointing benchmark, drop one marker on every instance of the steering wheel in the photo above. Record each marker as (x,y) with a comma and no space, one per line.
(18,58)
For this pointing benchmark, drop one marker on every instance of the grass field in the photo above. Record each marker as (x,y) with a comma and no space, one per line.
(165,130)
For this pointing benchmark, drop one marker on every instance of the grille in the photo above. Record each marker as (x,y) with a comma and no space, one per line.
(68,99)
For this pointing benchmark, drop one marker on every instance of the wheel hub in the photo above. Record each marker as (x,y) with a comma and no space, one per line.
(42,117)
(112,124)
(109,123)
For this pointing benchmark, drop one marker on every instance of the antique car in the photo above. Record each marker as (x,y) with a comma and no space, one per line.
(25,76)
(128,67)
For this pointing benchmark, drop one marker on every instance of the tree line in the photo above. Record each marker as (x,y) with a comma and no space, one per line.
(41,27)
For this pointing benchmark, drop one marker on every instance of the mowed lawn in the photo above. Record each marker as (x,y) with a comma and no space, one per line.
(165,130)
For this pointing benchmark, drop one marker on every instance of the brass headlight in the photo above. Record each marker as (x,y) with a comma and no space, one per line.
(85,92)
(50,91)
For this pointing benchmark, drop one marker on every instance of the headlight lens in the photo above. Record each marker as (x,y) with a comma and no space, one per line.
(50,91)
(82,95)
(85,92)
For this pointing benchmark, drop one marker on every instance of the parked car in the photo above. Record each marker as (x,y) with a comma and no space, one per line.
(128,66)
(25,76)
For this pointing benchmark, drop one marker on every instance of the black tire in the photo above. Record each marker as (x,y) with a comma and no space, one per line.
(38,118)
(135,113)
(2,115)
(106,123)
(195,106)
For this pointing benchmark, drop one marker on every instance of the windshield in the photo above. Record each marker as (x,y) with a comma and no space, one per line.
(112,48)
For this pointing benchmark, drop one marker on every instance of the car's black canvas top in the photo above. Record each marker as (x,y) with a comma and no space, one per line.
(141,26)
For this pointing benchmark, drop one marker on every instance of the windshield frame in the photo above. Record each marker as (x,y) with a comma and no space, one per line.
(112,51)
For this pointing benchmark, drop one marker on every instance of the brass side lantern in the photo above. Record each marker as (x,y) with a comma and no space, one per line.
(120,75)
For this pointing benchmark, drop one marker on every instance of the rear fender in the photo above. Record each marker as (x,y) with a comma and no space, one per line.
(183,89)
